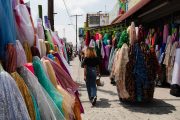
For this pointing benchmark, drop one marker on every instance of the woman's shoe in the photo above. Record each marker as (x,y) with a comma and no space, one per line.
(94,101)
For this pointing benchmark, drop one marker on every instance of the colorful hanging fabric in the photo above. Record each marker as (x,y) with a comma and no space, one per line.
(25,28)
(42,47)
(27,50)
(48,109)
(165,33)
(21,56)
(13,106)
(132,34)
(26,94)
(40,29)
(35,51)
(11,58)
(68,101)
(49,39)
(124,38)
(7,26)
(46,83)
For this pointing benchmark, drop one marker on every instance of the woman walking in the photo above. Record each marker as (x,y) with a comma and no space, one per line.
(90,63)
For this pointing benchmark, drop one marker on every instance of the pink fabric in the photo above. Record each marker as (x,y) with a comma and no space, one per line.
(165,33)
(30,67)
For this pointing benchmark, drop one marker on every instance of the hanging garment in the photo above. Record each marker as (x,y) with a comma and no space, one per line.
(46,83)
(7,26)
(25,28)
(132,34)
(30,67)
(110,59)
(27,50)
(48,109)
(140,72)
(48,47)
(107,51)
(21,56)
(68,100)
(176,70)
(129,77)
(26,94)
(11,58)
(165,33)
(124,38)
(167,59)
(12,104)
(120,71)
(172,60)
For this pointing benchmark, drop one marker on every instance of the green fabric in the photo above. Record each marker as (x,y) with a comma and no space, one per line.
(46,83)
(106,37)
(38,117)
(124,38)
(49,39)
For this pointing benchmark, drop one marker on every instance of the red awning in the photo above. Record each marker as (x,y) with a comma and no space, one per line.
(134,9)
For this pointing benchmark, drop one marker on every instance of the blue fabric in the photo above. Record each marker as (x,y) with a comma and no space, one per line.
(140,71)
(91,81)
(7,26)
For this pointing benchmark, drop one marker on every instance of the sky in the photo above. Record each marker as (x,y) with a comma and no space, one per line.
(80,7)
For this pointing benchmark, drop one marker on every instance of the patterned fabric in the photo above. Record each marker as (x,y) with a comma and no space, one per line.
(25,93)
(12,106)
(48,109)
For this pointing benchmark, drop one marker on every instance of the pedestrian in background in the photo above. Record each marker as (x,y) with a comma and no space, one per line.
(91,67)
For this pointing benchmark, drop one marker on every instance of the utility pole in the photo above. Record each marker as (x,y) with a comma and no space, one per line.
(51,13)
(76,27)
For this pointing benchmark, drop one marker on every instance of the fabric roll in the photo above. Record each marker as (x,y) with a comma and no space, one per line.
(11,58)
(68,100)
(63,63)
(48,47)
(47,107)
(21,56)
(40,29)
(12,105)
(35,51)
(176,70)
(37,112)
(26,94)
(27,50)
(42,47)
(49,39)
(30,67)
(7,26)
(63,78)
(46,83)
(124,38)
(25,28)
(168,51)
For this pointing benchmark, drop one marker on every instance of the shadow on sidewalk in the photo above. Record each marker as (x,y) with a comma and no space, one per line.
(103,103)
(157,106)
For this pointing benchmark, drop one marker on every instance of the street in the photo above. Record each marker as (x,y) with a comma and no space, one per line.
(108,107)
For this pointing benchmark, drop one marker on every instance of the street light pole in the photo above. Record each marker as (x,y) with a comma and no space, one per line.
(76,27)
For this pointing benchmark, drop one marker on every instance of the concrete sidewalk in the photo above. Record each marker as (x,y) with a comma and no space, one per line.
(164,106)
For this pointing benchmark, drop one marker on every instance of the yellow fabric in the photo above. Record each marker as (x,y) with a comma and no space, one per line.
(27,50)
(68,100)
(26,95)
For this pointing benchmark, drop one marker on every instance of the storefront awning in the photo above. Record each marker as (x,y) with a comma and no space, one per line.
(137,7)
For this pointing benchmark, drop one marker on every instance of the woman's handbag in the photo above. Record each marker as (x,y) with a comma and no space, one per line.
(99,82)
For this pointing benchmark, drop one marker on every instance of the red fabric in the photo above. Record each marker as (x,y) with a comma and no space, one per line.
(30,67)
(87,40)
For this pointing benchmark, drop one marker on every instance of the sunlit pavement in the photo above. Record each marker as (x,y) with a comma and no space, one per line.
(108,107)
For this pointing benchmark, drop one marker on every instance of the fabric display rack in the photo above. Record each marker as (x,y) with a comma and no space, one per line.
(35,77)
